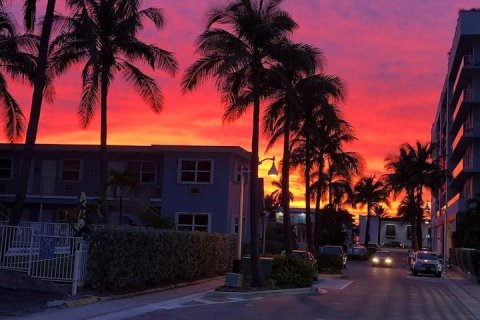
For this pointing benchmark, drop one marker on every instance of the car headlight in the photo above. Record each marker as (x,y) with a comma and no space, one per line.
(375,260)
(388,260)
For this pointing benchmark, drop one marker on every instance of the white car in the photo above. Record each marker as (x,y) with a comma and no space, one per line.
(426,262)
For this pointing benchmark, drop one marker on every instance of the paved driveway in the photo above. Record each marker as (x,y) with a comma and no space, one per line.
(20,302)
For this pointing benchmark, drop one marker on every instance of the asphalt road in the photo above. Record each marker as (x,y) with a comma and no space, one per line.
(374,293)
(366,293)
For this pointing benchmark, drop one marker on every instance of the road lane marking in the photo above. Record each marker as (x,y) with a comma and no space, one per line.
(337,284)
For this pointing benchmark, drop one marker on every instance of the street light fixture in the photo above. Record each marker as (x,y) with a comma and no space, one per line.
(272,172)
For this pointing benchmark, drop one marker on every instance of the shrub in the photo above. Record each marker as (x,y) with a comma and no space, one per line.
(291,272)
(156,221)
(129,259)
(329,263)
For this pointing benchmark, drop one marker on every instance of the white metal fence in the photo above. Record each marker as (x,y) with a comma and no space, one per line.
(45,251)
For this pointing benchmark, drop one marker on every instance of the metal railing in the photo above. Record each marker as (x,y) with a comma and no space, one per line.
(51,257)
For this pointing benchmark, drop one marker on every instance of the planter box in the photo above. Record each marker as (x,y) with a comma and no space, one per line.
(265,265)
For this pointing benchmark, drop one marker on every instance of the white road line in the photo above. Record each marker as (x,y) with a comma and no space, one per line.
(168,304)
(337,284)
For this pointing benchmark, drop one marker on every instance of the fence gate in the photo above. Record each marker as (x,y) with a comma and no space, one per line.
(43,253)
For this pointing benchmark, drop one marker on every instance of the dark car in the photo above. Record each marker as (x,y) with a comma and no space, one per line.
(381,259)
(335,250)
(357,253)
(426,262)
(393,244)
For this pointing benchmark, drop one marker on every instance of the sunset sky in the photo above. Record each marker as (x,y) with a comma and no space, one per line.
(391,54)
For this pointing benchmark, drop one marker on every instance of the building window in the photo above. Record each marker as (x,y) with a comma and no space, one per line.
(390,231)
(193,221)
(196,171)
(71,170)
(5,168)
(409,232)
(144,170)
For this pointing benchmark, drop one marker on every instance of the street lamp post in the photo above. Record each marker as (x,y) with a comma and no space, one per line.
(243,170)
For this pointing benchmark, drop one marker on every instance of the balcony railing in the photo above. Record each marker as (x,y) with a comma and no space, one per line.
(466,96)
(466,61)
(466,164)
(467,131)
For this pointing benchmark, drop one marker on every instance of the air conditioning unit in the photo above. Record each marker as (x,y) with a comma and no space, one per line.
(195,191)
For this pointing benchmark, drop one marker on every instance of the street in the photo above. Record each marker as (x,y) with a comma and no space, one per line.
(365,293)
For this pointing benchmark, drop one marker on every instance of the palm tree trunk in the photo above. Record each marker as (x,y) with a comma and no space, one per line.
(367,231)
(287,228)
(35,110)
(103,144)
(257,275)
(307,196)
(316,238)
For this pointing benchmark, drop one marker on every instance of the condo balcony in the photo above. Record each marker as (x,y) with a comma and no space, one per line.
(463,106)
(465,136)
(465,71)
(465,169)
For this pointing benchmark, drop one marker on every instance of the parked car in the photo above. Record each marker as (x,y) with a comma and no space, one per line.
(335,250)
(393,244)
(381,259)
(357,253)
(426,262)
(307,256)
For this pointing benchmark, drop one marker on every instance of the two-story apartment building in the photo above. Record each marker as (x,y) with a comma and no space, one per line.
(456,130)
(197,187)
(393,229)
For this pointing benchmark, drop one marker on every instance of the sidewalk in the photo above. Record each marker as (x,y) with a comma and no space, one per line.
(465,289)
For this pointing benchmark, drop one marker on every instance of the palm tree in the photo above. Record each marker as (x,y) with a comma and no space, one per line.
(329,155)
(241,40)
(40,81)
(283,116)
(16,60)
(118,181)
(411,171)
(381,213)
(314,92)
(372,192)
(103,36)
(276,195)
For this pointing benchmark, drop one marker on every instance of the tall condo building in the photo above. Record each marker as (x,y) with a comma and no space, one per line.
(456,131)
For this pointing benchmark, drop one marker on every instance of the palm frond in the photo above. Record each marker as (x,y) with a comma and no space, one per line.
(145,85)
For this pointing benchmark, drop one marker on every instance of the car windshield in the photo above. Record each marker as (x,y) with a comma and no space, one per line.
(382,254)
(334,250)
(427,256)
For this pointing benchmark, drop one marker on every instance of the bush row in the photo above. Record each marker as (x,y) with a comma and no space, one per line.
(129,259)
(291,272)
(466,259)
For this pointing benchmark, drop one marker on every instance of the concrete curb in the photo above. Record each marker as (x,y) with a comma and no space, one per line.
(92,298)
(266,293)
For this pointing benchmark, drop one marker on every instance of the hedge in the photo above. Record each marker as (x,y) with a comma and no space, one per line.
(291,272)
(128,259)
(466,259)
